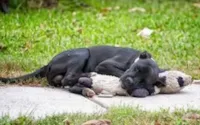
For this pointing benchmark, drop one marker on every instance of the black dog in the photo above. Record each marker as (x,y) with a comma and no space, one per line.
(140,76)
(101,59)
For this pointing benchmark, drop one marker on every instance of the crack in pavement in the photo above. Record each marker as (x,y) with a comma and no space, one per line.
(96,101)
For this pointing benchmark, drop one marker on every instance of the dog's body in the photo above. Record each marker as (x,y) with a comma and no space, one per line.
(101,59)
(140,76)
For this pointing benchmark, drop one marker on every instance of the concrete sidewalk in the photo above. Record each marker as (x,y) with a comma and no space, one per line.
(40,101)
(189,97)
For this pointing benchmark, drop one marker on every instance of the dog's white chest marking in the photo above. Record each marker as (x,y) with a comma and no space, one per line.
(139,58)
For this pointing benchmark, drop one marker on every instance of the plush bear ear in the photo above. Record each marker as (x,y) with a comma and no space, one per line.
(161,82)
(180,81)
(145,55)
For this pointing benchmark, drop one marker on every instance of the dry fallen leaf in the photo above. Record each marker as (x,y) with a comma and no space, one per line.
(107,9)
(191,116)
(196,5)
(66,122)
(117,8)
(146,32)
(98,122)
(2,47)
(137,9)
(80,30)
(42,26)
(157,122)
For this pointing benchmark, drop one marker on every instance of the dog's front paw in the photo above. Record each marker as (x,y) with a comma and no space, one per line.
(85,81)
(141,93)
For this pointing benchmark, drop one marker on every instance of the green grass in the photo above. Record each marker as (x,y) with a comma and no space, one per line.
(30,38)
(118,116)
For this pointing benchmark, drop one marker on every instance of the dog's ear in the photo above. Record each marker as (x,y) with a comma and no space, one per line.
(145,55)
(161,82)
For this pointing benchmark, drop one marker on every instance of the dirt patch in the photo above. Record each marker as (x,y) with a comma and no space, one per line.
(31,82)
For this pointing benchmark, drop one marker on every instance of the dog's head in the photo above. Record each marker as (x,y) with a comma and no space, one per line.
(143,70)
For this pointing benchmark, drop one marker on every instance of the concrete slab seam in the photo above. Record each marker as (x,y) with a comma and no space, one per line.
(96,101)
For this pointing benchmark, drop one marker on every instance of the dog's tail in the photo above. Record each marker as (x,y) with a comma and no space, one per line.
(40,73)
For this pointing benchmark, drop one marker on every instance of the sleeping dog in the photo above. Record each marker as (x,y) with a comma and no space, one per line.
(137,84)
(117,61)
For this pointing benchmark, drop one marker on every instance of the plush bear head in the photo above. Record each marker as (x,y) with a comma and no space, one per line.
(174,81)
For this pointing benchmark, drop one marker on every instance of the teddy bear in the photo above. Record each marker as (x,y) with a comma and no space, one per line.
(109,86)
